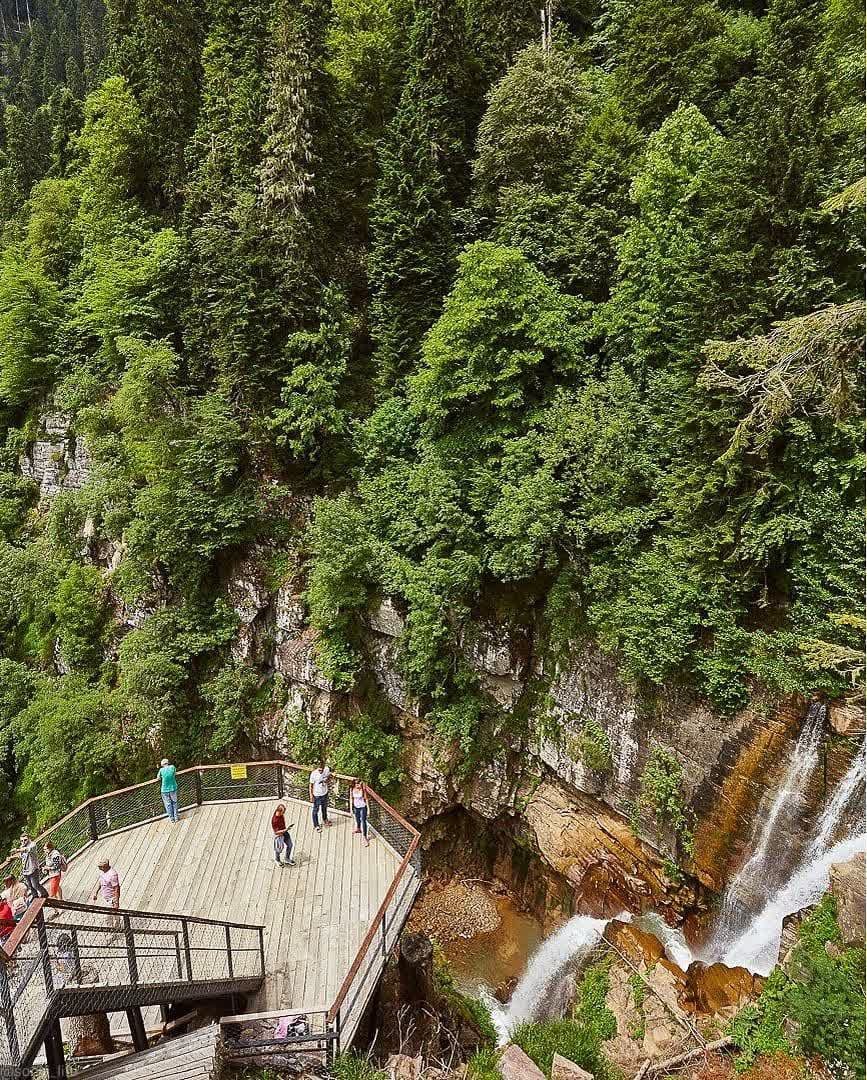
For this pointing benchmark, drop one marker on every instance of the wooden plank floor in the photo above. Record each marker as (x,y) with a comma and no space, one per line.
(218,862)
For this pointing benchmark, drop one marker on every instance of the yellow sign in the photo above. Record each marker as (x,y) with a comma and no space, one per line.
(238,772)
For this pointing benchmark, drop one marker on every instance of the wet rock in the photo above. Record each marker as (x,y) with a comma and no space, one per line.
(514,1064)
(847,888)
(847,717)
(564,1069)
(610,869)
(714,989)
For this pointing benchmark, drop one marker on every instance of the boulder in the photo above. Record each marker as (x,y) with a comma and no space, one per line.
(847,888)
(403,1067)
(514,1064)
(564,1069)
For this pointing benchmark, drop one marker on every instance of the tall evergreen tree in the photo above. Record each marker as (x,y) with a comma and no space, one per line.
(424,183)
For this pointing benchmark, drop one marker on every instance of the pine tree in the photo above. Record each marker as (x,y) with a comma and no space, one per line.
(157,46)
(424,183)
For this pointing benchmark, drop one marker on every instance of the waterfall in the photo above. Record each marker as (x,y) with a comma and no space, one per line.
(536,994)
(765,868)
(837,806)
(758,947)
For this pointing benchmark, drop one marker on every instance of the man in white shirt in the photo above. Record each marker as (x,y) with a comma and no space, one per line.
(319,794)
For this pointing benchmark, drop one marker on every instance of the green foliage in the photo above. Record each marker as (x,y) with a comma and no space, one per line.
(472,1009)
(483,1065)
(353,1066)
(80,614)
(594,747)
(362,748)
(661,794)
(567,337)
(819,997)
(578,1038)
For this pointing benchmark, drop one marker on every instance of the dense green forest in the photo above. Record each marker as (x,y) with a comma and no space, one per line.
(567,329)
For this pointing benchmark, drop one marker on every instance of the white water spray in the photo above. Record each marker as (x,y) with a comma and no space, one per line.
(757,949)
(765,869)
(558,954)
(838,806)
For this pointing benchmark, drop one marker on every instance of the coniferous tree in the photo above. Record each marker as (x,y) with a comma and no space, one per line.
(424,182)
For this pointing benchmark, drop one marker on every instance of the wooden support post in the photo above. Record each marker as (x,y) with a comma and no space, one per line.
(137,1028)
(229,959)
(55,1059)
(131,957)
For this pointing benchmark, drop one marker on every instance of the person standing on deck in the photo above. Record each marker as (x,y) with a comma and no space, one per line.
(30,867)
(358,805)
(107,885)
(169,789)
(319,794)
(55,866)
(282,839)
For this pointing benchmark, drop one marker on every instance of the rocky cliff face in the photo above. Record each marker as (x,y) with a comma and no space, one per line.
(573,815)
(542,787)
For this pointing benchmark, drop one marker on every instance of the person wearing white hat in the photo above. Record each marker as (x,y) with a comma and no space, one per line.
(169,788)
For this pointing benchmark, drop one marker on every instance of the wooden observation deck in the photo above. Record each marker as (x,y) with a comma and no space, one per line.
(327,923)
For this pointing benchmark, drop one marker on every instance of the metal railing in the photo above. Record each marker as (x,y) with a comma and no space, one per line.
(68,959)
(105,815)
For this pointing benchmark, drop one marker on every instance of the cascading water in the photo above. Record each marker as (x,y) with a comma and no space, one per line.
(558,955)
(757,949)
(756,945)
(841,804)
(765,870)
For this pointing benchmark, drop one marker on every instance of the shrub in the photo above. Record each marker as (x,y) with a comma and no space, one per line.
(594,747)
(352,1066)
(661,793)
(820,997)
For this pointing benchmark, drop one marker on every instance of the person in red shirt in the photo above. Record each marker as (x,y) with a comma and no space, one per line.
(282,839)
(7,920)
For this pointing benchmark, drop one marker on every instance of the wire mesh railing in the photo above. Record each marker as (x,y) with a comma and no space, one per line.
(116,811)
(74,959)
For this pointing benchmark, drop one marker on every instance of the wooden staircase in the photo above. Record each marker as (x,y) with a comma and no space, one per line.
(186,1057)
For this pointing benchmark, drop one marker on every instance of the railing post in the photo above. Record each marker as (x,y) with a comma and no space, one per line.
(262,951)
(188,956)
(91,822)
(42,936)
(198,782)
(132,959)
(9,1016)
(178,956)
(279,781)
(229,951)
(76,957)
(333,1049)
(384,933)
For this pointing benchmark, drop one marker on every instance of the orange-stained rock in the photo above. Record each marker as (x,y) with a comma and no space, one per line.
(610,869)
(710,989)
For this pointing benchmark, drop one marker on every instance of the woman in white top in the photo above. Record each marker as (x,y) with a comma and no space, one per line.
(358,803)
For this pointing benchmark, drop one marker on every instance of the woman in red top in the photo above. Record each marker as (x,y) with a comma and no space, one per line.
(7,920)
(282,839)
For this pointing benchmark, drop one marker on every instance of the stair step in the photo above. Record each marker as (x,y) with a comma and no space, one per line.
(188,1057)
